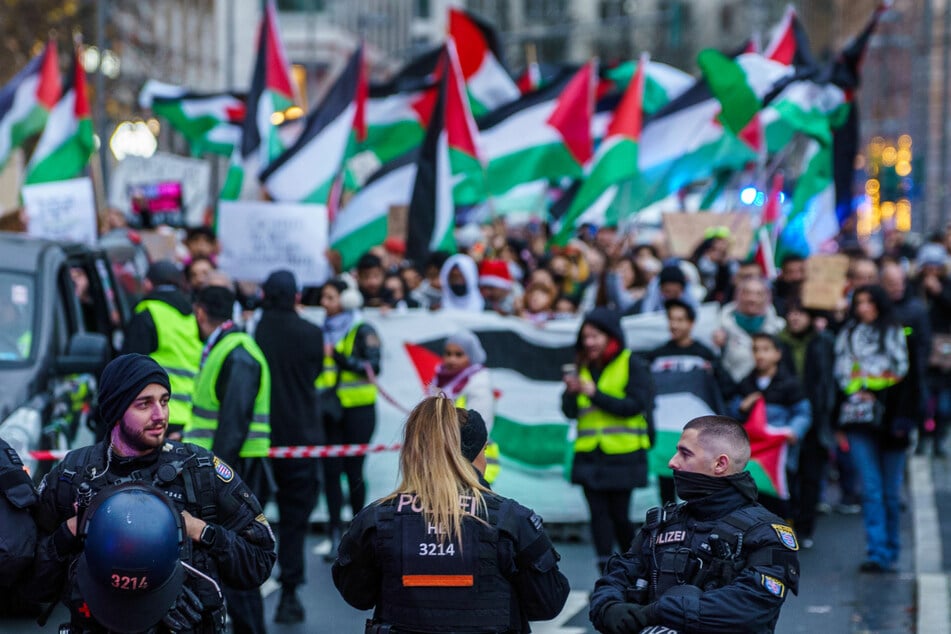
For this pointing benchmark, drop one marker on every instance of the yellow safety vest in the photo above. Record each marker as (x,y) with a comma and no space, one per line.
(599,429)
(179,352)
(353,390)
(492,454)
(205,406)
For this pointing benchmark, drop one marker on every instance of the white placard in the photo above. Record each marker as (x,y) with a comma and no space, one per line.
(62,210)
(193,174)
(257,238)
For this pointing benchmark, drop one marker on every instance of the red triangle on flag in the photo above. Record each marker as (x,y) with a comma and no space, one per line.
(782,48)
(629,116)
(753,135)
(473,46)
(767,447)
(278,78)
(50,87)
(573,112)
(363,93)
(425,362)
(81,106)
(460,125)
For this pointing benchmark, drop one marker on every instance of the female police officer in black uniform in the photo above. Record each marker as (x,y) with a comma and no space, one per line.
(442,552)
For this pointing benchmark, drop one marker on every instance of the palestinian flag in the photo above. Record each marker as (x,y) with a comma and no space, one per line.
(530,79)
(616,160)
(68,140)
(362,222)
(663,84)
(812,220)
(767,463)
(25,102)
(210,122)
(544,135)
(462,135)
(307,170)
(488,82)
(271,91)
(789,44)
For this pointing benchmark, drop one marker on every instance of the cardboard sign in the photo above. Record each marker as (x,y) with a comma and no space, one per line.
(193,175)
(62,210)
(160,245)
(10,177)
(825,281)
(258,238)
(685,231)
(396,221)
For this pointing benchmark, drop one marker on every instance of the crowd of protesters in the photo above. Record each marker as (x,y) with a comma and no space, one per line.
(883,353)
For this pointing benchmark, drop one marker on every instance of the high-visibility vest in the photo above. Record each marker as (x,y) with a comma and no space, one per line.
(178,352)
(597,428)
(353,390)
(206,406)
(492,455)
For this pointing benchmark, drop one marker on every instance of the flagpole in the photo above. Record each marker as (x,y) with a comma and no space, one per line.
(100,90)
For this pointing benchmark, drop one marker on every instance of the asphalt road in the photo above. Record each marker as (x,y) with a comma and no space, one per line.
(834,596)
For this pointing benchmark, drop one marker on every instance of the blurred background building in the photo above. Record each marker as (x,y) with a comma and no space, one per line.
(209,45)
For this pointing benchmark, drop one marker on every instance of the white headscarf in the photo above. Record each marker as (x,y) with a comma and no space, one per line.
(472,299)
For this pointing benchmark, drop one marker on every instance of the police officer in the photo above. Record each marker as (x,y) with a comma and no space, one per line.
(231,416)
(164,328)
(718,562)
(228,538)
(17,528)
(428,558)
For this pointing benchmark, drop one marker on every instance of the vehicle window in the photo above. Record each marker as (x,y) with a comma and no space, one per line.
(17,316)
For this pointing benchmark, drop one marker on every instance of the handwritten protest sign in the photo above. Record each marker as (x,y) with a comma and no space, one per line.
(685,231)
(61,210)
(194,176)
(257,238)
(825,281)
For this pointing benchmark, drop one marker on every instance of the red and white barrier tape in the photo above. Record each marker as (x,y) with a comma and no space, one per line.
(301,451)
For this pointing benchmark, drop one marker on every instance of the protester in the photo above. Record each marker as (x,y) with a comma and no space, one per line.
(934,287)
(611,395)
(750,314)
(459,280)
(370,276)
(497,287)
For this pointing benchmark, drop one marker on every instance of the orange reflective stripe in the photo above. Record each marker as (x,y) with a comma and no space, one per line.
(444,581)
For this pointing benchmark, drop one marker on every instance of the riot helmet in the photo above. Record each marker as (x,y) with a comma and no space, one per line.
(130,573)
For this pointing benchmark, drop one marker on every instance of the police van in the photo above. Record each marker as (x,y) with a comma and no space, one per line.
(61,320)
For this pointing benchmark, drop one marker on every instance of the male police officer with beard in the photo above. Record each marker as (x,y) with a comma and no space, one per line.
(718,562)
(227,535)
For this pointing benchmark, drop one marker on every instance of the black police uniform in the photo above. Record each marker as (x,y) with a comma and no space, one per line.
(721,563)
(237,550)
(503,574)
(17,529)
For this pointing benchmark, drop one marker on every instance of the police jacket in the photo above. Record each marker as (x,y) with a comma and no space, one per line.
(504,574)
(17,529)
(694,582)
(241,554)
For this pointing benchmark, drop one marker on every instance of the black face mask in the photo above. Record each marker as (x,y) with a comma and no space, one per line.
(693,486)
(459,289)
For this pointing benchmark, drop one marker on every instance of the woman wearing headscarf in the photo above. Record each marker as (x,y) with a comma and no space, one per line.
(463,377)
(351,356)
(459,278)
(611,395)
(442,553)
(871,359)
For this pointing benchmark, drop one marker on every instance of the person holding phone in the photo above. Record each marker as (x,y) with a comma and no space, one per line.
(611,395)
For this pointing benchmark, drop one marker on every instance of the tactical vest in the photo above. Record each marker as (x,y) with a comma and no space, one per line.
(430,585)
(492,465)
(599,429)
(17,530)
(353,390)
(178,352)
(708,555)
(206,405)
(183,473)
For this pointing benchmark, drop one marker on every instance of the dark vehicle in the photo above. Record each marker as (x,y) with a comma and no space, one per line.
(61,318)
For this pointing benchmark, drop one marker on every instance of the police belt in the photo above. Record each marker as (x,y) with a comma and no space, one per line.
(373,627)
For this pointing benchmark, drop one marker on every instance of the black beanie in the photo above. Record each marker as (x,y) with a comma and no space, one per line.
(673,273)
(122,380)
(473,435)
(605,320)
(280,289)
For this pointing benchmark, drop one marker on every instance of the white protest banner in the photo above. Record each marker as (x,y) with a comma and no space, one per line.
(193,174)
(259,237)
(61,210)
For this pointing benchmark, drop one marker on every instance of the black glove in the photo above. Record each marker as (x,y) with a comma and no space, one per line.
(625,618)
(185,615)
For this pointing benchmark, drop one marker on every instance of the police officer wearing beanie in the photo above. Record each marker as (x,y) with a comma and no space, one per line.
(164,328)
(17,528)
(718,562)
(231,417)
(443,553)
(228,538)
(294,349)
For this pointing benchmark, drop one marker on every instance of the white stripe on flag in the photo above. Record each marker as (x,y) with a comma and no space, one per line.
(24,101)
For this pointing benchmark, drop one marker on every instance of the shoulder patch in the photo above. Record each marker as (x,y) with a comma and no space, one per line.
(536,521)
(786,536)
(773,585)
(223,471)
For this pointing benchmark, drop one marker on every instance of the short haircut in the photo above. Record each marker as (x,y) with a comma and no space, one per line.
(723,432)
(369,261)
(193,233)
(679,303)
(773,339)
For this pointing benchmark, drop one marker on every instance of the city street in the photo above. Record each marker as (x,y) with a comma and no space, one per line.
(833,597)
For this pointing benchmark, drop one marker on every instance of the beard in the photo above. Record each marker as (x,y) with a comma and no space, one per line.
(138,440)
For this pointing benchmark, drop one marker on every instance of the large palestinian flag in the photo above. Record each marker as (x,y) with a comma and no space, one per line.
(480,54)
(210,122)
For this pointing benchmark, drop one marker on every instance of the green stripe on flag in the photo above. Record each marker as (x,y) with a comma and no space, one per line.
(728,83)
(549,161)
(763,483)
(533,444)
(355,244)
